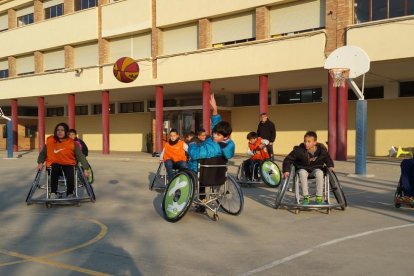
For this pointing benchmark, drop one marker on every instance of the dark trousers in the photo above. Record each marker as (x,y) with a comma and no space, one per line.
(407,177)
(270,151)
(170,166)
(248,166)
(69,172)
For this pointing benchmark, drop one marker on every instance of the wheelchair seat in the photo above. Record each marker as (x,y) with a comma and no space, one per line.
(288,194)
(211,188)
(40,189)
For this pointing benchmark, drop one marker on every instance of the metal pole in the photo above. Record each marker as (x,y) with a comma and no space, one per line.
(361,138)
(9,139)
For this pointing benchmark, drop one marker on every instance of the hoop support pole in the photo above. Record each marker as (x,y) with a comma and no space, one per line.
(358,93)
(361,138)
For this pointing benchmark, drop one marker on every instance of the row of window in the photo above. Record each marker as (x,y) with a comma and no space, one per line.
(55,11)
(371,10)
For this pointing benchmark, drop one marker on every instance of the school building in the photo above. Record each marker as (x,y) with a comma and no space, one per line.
(56,60)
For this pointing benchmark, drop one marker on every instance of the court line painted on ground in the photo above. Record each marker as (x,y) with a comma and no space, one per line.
(325,244)
(44,259)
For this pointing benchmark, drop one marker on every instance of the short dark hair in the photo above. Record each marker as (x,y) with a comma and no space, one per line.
(72,130)
(173,130)
(223,128)
(263,113)
(251,135)
(201,130)
(311,133)
(190,134)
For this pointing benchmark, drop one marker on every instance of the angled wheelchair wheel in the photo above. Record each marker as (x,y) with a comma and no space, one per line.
(86,183)
(34,186)
(233,200)
(283,187)
(90,177)
(158,181)
(178,196)
(337,189)
(270,173)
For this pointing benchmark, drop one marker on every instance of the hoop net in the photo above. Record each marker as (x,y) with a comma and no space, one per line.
(1,113)
(339,76)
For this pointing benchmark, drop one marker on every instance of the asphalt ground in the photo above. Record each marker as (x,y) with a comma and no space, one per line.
(124,232)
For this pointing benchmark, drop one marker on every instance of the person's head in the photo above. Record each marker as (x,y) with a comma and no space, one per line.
(222,131)
(61,131)
(201,134)
(252,137)
(189,136)
(73,133)
(310,139)
(263,117)
(174,135)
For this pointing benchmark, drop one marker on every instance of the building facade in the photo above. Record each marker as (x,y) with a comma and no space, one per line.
(56,60)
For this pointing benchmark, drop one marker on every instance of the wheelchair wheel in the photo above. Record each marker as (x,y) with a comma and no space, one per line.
(86,183)
(270,173)
(90,177)
(34,186)
(157,181)
(178,196)
(232,201)
(282,188)
(337,189)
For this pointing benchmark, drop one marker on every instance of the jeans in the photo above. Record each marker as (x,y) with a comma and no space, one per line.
(407,177)
(303,177)
(69,173)
(171,165)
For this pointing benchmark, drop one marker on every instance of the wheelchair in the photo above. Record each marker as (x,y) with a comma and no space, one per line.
(288,194)
(400,199)
(266,172)
(160,181)
(40,189)
(218,191)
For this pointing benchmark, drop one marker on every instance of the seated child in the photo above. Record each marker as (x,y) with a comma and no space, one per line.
(309,159)
(201,136)
(189,137)
(407,180)
(219,145)
(257,152)
(174,154)
(79,142)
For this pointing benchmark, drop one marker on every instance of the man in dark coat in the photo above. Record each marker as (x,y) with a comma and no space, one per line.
(267,130)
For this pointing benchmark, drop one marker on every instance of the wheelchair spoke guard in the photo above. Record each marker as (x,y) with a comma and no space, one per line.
(270,173)
(178,197)
(232,201)
(337,189)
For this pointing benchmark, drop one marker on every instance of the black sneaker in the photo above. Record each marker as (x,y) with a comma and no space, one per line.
(200,209)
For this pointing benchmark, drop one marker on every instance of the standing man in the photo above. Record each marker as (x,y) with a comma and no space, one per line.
(267,130)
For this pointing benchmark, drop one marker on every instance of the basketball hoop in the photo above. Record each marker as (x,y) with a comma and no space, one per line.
(3,116)
(339,76)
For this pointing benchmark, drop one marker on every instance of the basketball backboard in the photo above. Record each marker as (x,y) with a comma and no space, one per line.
(351,57)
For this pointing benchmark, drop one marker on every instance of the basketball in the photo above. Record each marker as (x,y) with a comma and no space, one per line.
(126,69)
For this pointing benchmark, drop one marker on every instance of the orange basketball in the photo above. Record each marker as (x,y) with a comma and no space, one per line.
(126,69)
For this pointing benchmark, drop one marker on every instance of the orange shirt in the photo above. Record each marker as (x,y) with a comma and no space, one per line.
(175,152)
(261,154)
(62,153)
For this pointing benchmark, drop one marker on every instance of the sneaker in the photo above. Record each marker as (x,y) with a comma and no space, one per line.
(305,200)
(319,200)
(53,196)
(70,196)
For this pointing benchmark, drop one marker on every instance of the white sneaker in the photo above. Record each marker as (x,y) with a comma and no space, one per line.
(53,196)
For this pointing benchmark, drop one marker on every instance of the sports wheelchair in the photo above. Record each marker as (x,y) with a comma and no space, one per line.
(400,199)
(41,189)
(266,172)
(288,194)
(218,190)
(160,181)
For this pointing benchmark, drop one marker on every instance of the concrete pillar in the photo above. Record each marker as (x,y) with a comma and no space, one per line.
(263,93)
(105,122)
(206,106)
(15,124)
(342,117)
(41,121)
(159,120)
(332,119)
(71,110)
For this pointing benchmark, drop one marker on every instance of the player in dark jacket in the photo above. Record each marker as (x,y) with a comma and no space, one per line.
(267,130)
(309,159)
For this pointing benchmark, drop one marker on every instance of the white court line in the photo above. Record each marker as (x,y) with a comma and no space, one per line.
(307,251)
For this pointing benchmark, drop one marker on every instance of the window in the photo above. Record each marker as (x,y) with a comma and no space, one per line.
(4,74)
(54,11)
(25,20)
(371,10)
(407,89)
(300,96)
(27,111)
(30,131)
(85,4)
(81,110)
(166,103)
(248,99)
(97,109)
(55,111)
(131,107)
(369,93)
